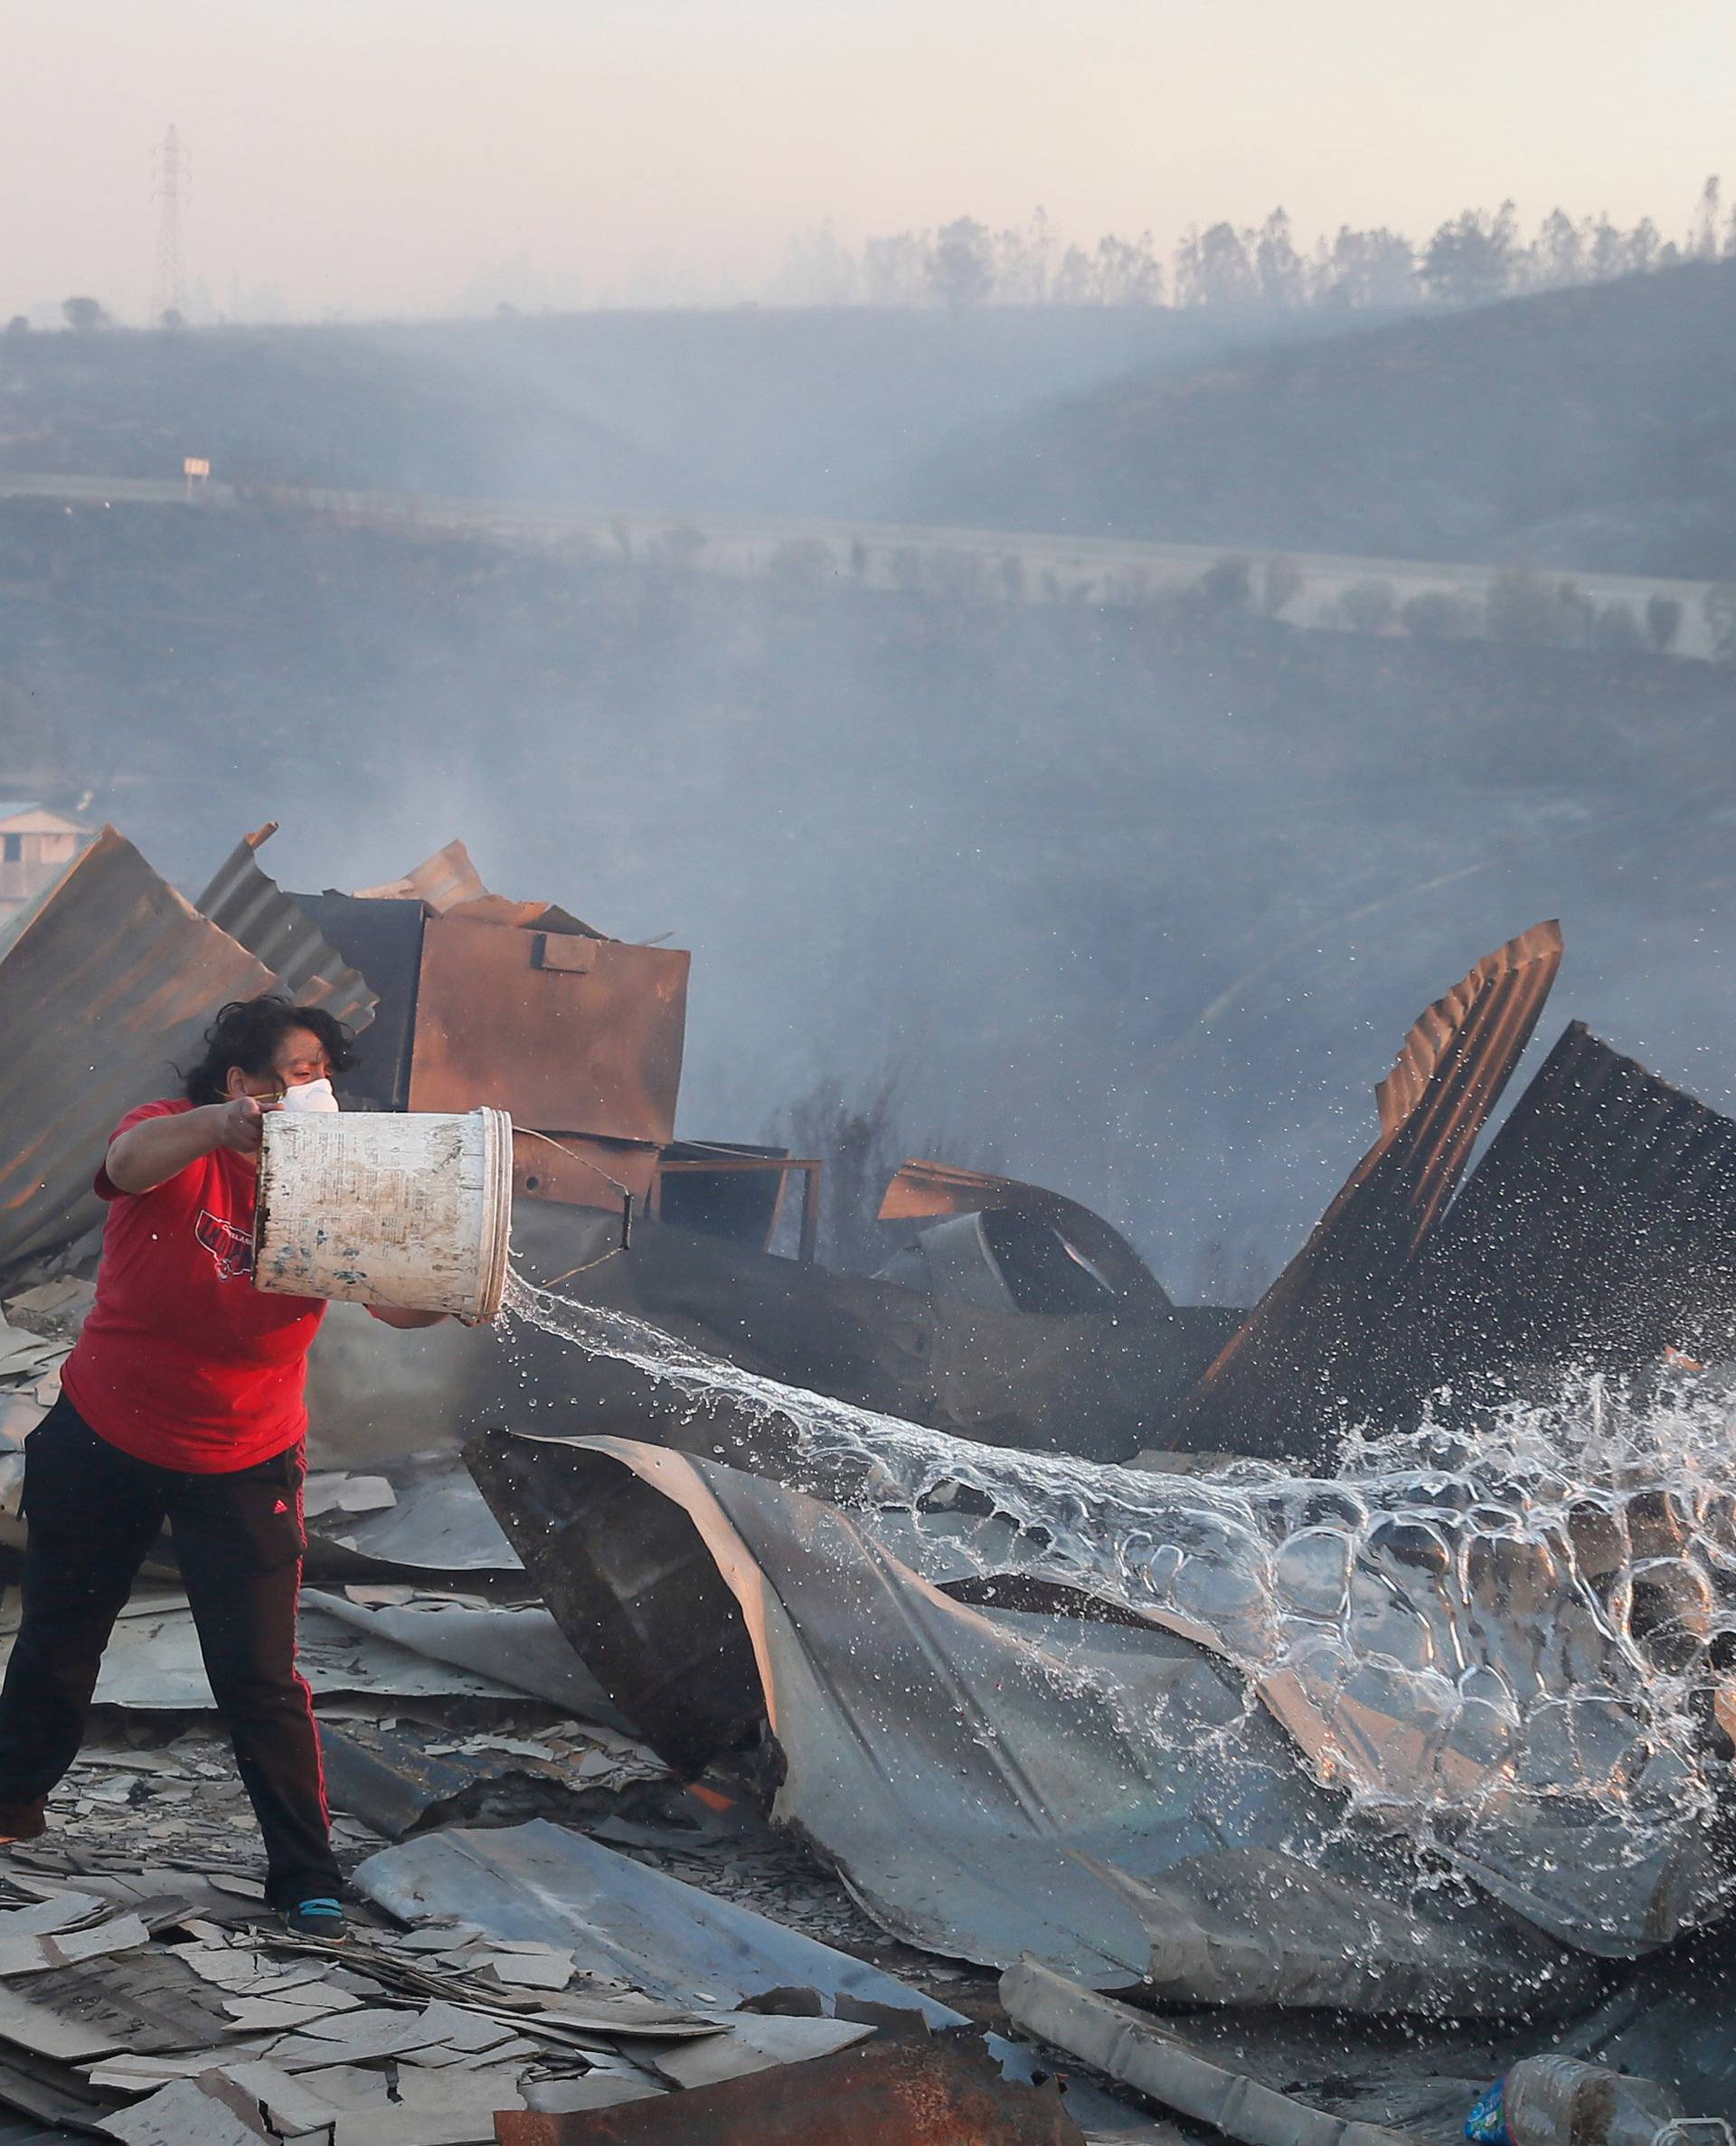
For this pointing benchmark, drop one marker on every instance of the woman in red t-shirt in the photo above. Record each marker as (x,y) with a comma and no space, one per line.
(183,1402)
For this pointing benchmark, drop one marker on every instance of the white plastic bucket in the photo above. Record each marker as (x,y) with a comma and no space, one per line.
(410,1211)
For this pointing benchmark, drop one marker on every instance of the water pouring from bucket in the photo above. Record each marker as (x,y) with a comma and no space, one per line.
(406,1211)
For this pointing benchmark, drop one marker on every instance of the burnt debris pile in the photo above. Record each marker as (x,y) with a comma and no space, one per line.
(984,1700)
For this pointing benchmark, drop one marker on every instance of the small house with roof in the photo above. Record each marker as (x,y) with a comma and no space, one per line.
(36,846)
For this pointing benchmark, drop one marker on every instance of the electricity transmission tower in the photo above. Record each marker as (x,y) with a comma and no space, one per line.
(168,280)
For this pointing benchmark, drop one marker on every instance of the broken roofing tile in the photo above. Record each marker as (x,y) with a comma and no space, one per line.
(24,1954)
(620,1918)
(336,1490)
(185,2114)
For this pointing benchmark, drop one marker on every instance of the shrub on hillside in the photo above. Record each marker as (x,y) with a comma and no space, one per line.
(1521,606)
(803,561)
(1617,630)
(1663,622)
(1435,615)
(1719,607)
(1280,582)
(1367,607)
(1226,585)
(676,547)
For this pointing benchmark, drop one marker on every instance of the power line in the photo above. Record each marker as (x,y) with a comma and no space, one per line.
(169,191)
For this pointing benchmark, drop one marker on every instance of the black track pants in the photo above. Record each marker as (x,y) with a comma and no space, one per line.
(94,1512)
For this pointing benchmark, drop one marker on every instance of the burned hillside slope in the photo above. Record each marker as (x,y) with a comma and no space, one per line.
(1581,429)
(756,411)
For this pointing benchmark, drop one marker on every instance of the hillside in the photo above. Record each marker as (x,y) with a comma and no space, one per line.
(1142,899)
(333,408)
(807,413)
(1594,428)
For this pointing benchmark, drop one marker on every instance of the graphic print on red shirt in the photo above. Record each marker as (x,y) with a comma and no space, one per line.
(183,1362)
(231,1248)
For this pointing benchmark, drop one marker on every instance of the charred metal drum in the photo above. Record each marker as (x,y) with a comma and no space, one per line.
(408,1210)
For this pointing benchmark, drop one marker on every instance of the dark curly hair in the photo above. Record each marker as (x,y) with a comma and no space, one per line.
(247,1032)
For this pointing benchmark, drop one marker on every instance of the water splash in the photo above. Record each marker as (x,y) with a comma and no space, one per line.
(1505,1644)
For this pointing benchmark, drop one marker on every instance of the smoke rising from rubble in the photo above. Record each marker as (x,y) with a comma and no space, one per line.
(1180,1025)
(1164,981)
(1141,906)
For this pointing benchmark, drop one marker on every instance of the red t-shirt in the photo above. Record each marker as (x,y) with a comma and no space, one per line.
(183,1362)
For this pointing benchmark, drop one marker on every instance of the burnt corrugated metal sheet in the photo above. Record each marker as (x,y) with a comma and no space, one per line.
(1599,1229)
(1302,1362)
(273,927)
(1450,1071)
(104,985)
(963,1783)
(442,880)
(528,916)
(905,2092)
(929,1188)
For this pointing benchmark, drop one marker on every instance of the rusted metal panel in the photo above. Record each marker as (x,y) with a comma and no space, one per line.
(442,880)
(540,916)
(1455,1062)
(931,1188)
(1599,1229)
(896,2092)
(104,986)
(597,1052)
(1303,1360)
(250,905)
(579,1172)
(554,950)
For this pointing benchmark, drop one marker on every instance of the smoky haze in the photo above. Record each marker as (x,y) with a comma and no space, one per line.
(379,159)
(1136,898)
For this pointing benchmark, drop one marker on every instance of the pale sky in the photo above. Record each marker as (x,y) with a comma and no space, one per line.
(374,156)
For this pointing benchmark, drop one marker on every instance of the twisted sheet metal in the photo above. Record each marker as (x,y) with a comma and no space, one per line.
(931,1188)
(1599,1230)
(107,983)
(1300,1364)
(273,927)
(442,880)
(971,1776)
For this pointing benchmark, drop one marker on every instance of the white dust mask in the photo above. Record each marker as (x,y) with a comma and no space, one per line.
(310,1095)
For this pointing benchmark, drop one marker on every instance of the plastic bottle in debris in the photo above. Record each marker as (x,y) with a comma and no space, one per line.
(1557,2101)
